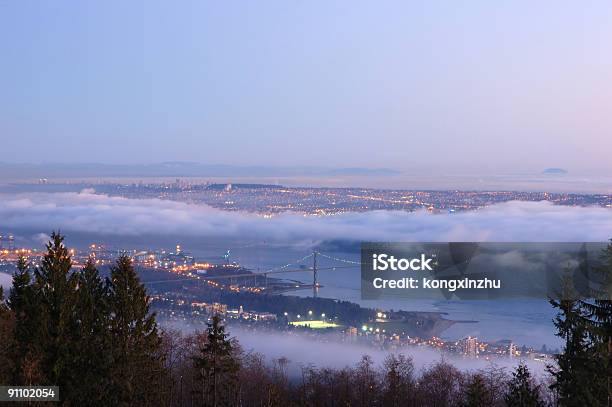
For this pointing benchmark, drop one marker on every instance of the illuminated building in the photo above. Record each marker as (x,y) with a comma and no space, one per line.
(470,347)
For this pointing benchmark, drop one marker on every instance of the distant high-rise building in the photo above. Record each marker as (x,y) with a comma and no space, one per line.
(512,349)
(470,346)
(11,242)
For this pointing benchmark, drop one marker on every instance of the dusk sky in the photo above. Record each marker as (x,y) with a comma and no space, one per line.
(456,86)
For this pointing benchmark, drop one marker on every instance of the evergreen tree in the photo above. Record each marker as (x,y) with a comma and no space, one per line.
(25,326)
(93,356)
(598,312)
(521,390)
(476,393)
(18,297)
(217,366)
(7,342)
(572,373)
(137,370)
(54,302)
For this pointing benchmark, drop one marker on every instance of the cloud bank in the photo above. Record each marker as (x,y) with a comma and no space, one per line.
(88,212)
(302,350)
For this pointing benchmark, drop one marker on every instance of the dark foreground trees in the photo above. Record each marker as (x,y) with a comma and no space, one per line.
(93,338)
(217,367)
(137,360)
(522,389)
(583,373)
(7,343)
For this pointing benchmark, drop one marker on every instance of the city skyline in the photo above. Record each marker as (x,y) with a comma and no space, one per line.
(554,180)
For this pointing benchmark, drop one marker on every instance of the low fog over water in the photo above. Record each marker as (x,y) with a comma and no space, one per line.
(327,351)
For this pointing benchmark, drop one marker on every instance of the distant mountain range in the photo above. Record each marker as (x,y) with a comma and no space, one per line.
(554,171)
(176,169)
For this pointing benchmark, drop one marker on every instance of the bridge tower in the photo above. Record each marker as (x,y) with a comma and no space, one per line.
(315,283)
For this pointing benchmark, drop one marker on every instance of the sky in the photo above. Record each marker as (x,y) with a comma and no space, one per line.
(418,86)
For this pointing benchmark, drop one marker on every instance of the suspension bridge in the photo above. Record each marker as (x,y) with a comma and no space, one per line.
(287,268)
